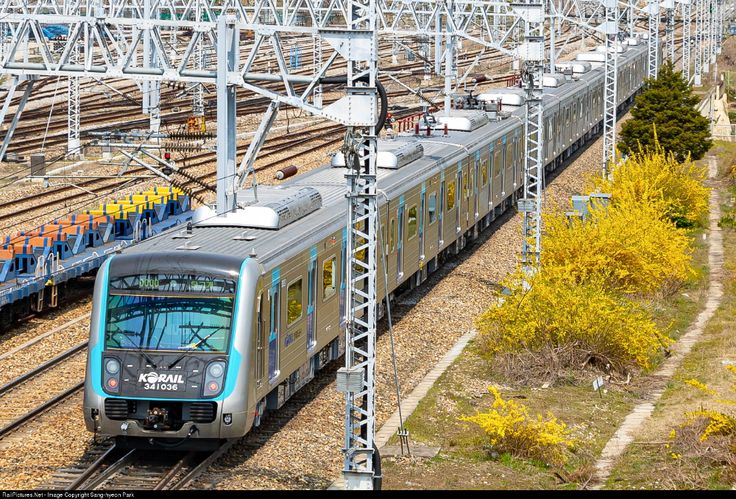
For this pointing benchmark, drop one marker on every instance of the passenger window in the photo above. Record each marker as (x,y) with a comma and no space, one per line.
(294,302)
(328,277)
(392,235)
(497,162)
(484,173)
(411,222)
(509,155)
(450,195)
(432,208)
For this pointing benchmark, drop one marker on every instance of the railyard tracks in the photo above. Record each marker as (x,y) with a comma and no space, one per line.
(22,384)
(324,135)
(109,466)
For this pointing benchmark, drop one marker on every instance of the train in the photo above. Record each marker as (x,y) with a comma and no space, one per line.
(197,333)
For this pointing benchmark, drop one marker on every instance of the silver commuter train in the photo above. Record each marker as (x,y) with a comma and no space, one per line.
(197,333)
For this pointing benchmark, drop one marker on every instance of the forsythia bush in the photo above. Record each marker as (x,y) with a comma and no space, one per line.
(579,305)
(627,243)
(716,427)
(510,429)
(718,423)
(656,178)
(581,316)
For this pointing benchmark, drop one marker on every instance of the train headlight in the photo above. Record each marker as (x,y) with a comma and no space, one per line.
(112,366)
(213,379)
(216,369)
(111,374)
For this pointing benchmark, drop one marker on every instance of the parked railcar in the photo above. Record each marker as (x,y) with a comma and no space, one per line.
(197,333)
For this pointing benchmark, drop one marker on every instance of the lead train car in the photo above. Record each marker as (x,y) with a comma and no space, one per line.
(196,333)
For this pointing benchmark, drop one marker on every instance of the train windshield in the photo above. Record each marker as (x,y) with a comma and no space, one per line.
(180,313)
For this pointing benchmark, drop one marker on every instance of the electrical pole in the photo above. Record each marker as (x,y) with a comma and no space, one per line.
(73,143)
(609,88)
(360,150)
(698,71)
(532,52)
(669,9)
(198,91)
(686,28)
(450,51)
(151,88)
(653,24)
(227,45)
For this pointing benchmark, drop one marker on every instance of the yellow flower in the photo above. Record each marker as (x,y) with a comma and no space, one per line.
(700,386)
(510,428)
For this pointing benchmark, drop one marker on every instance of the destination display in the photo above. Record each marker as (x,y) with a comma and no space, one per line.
(173,283)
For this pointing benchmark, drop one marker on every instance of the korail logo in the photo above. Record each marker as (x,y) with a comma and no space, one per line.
(154,377)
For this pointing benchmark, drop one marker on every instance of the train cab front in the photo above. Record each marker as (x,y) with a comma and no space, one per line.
(163,363)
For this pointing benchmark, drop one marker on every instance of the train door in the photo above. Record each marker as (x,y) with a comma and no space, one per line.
(422,204)
(519,161)
(467,183)
(311,293)
(488,167)
(441,212)
(492,180)
(514,170)
(508,165)
(400,241)
(274,296)
(476,179)
(459,197)
(502,167)
(261,325)
(497,172)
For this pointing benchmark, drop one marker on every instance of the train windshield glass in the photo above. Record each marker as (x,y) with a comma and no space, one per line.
(179,323)
(169,312)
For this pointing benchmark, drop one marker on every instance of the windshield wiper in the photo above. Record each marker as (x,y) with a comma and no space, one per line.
(193,347)
(153,364)
(125,333)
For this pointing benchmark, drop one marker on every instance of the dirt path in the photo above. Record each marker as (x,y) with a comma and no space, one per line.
(639,415)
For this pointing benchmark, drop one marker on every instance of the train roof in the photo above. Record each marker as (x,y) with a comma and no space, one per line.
(314,219)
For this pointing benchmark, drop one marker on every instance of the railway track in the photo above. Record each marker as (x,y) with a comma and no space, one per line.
(15,392)
(108,466)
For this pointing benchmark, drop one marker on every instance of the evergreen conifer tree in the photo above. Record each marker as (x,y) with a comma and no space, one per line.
(667,103)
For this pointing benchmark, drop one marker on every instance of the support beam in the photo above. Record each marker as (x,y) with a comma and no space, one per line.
(16,116)
(249,158)
(227,39)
